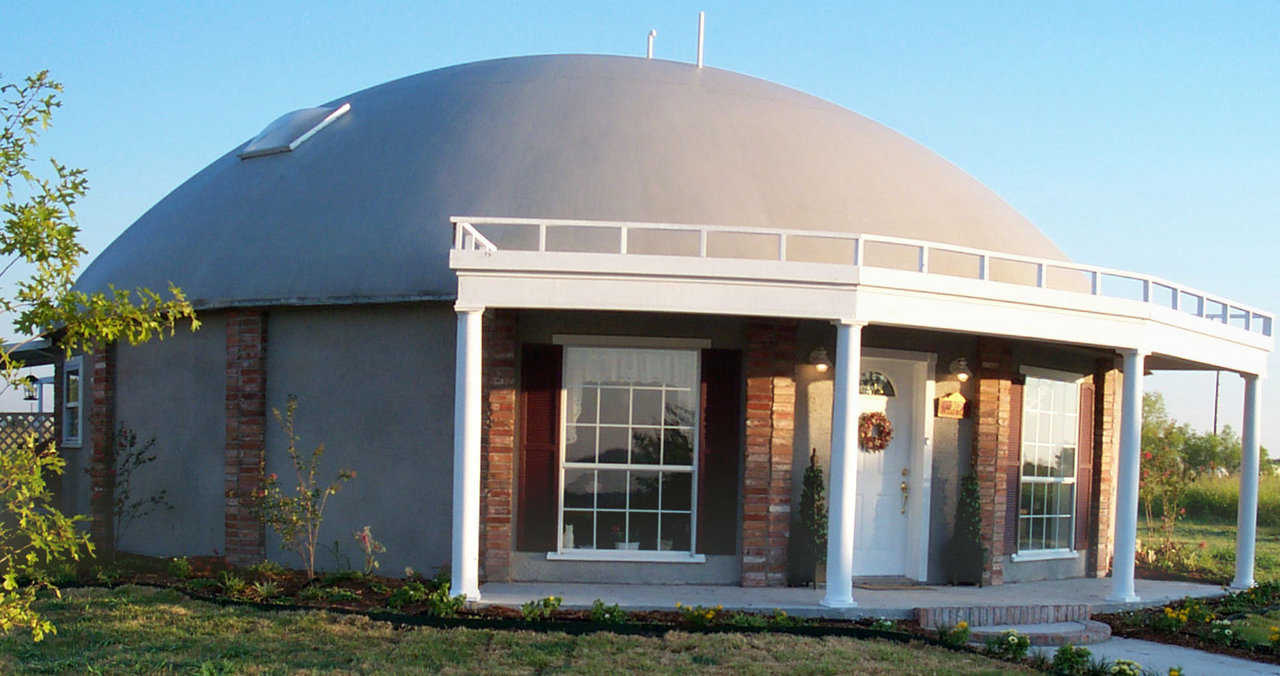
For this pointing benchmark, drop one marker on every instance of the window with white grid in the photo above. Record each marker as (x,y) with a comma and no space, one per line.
(628,466)
(1050,433)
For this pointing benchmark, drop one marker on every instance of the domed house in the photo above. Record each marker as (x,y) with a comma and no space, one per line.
(589,318)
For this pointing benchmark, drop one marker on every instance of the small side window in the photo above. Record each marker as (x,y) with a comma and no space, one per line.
(72,400)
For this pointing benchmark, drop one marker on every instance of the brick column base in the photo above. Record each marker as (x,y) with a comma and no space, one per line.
(246,423)
(1107,381)
(102,457)
(770,423)
(497,444)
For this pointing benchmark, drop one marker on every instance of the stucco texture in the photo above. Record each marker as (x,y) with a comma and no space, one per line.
(375,386)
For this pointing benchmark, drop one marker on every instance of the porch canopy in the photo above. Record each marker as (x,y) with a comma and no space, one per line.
(851,280)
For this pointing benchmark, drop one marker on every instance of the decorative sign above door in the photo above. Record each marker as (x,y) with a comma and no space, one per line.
(951,406)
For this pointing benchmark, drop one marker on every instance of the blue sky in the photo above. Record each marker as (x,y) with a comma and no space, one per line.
(1141,136)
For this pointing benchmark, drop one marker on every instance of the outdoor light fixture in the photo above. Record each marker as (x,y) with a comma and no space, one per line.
(820,360)
(29,387)
(960,369)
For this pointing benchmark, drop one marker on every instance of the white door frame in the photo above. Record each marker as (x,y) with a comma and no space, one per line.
(924,367)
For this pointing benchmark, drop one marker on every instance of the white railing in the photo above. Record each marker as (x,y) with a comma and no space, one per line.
(704,241)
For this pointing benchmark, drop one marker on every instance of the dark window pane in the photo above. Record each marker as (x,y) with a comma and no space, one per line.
(580,444)
(677,448)
(1024,533)
(675,533)
(646,446)
(611,529)
(615,405)
(581,525)
(579,487)
(613,444)
(644,529)
(644,490)
(612,489)
(646,407)
(676,490)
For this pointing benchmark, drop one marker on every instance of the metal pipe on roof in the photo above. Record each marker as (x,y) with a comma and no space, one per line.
(653,33)
(702,22)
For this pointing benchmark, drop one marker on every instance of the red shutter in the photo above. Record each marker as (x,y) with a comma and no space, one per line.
(1013,473)
(539,448)
(720,447)
(1084,466)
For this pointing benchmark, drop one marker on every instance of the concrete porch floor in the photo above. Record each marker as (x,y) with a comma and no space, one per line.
(804,602)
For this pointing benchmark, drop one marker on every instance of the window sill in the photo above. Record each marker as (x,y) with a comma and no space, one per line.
(626,555)
(1046,555)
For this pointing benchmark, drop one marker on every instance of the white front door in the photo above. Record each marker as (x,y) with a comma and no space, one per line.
(884,478)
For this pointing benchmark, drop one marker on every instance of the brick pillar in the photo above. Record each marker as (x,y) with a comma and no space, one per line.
(497,444)
(993,451)
(770,423)
(102,457)
(1106,434)
(246,426)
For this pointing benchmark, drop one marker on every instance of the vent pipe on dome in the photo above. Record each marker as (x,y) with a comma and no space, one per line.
(653,33)
(702,22)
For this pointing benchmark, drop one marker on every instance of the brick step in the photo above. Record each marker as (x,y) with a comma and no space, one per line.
(983,616)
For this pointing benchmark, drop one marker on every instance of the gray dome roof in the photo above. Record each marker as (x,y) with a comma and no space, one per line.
(360,212)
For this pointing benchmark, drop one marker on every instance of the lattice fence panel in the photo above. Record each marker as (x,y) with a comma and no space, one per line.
(14,428)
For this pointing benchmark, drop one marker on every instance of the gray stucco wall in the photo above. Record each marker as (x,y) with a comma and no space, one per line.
(173,391)
(375,386)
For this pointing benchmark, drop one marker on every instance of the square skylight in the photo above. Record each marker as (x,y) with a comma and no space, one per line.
(292,129)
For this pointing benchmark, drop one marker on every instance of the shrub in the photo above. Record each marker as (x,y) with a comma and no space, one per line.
(266,590)
(202,584)
(698,616)
(1169,620)
(125,508)
(441,604)
(180,567)
(232,584)
(540,610)
(1070,660)
(412,592)
(266,568)
(780,618)
(1222,632)
(954,636)
(883,624)
(749,620)
(1009,645)
(607,614)
(1125,668)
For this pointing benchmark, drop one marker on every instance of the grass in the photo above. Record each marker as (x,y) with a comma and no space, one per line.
(141,629)
(1216,560)
(1214,500)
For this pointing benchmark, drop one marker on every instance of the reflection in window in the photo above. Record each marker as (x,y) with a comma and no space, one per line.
(1050,429)
(875,382)
(629,449)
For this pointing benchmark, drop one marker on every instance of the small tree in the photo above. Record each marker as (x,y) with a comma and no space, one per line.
(39,243)
(813,511)
(296,516)
(1164,476)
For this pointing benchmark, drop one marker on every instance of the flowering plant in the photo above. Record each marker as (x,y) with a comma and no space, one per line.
(1011,645)
(370,547)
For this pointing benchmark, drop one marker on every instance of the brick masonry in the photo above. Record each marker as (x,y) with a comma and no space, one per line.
(246,420)
(1107,380)
(102,457)
(981,616)
(497,444)
(993,450)
(770,425)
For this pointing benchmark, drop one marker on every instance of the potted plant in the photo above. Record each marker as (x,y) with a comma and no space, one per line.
(619,543)
(813,518)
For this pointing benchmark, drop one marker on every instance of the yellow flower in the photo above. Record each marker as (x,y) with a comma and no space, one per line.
(962,625)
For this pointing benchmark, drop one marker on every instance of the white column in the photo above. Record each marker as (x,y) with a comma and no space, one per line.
(1126,538)
(1247,510)
(844,466)
(466,456)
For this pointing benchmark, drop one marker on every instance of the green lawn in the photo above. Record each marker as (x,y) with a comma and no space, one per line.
(140,629)
(1216,560)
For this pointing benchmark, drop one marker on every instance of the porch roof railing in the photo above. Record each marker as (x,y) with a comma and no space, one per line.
(853,249)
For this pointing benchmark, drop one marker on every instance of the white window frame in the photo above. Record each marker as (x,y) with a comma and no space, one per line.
(1056,553)
(74,364)
(648,556)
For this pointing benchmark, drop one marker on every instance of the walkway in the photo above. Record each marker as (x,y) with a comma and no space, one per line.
(896,603)
(1159,657)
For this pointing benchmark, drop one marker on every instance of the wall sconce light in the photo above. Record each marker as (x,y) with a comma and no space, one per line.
(29,385)
(960,369)
(820,360)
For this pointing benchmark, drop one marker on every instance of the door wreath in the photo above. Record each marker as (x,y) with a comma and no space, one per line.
(874,432)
